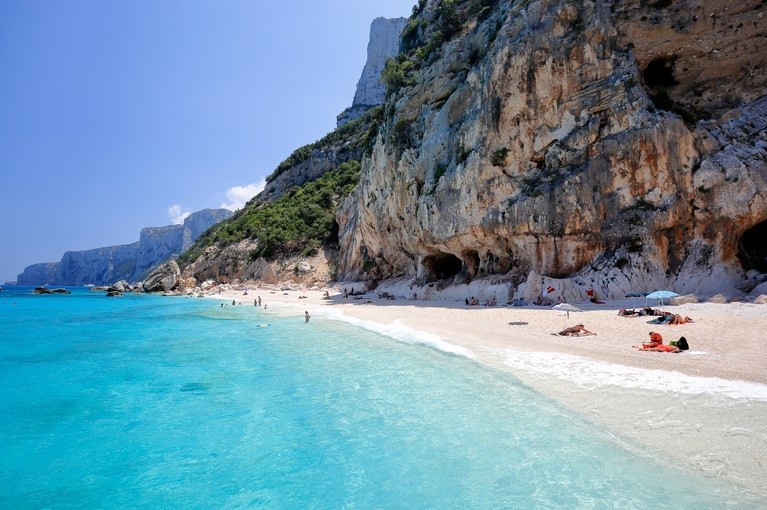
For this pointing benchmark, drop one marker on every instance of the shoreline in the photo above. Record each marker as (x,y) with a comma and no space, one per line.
(705,408)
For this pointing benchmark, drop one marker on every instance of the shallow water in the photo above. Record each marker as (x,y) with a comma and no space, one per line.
(155,402)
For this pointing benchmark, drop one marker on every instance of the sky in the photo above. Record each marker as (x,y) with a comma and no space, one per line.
(116,116)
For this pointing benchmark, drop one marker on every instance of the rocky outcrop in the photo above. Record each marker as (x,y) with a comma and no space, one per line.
(198,222)
(46,290)
(382,45)
(122,286)
(38,274)
(611,145)
(130,262)
(235,262)
(163,279)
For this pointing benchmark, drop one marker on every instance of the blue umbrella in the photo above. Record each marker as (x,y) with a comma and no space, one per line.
(661,295)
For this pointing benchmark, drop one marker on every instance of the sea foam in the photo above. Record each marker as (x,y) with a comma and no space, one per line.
(403,333)
(588,373)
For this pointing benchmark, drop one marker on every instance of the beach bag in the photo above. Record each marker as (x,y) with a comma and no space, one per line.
(682,344)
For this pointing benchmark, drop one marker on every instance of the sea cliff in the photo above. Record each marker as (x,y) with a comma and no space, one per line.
(130,262)
(607,147)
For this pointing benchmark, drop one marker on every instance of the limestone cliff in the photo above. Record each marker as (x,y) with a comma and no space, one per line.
(576,145)
(613,144)
(130,262)
(382,45)
(38,274)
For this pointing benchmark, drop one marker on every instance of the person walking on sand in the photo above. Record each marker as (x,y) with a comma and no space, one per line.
(306,316)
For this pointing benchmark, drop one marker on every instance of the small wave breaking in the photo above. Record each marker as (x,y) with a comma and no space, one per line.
(588,373)
(403,333)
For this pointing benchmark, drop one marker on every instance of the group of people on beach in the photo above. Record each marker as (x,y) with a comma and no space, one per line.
(472,301)
(655,343)
(663,316)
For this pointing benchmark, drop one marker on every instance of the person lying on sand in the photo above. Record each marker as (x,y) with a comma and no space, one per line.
(663,348)
(629,313)
(678,319)
(577,330)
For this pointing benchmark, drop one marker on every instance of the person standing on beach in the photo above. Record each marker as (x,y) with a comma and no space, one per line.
(306,316)
(259,300)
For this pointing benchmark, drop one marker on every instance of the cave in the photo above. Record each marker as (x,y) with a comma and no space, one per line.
(752,248)
(441,266)
(471,261)
(659,74)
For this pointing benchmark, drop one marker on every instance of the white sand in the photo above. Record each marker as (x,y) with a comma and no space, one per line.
(706,408)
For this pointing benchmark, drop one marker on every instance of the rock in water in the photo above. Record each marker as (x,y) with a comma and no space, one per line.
(121,286)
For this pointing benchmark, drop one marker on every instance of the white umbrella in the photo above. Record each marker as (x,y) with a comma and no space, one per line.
(567,307)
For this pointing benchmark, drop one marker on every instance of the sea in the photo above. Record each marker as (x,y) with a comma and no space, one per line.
(158,402)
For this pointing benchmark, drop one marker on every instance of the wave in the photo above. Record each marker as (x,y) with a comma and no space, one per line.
(590,373)
(403,333)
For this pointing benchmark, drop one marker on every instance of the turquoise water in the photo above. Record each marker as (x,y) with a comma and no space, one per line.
(151,402)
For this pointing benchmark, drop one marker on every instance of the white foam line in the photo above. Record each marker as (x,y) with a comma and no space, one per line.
(402,333)
(589,373)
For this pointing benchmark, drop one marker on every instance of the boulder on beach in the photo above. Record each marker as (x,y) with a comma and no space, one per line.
(163,278)
(682,300)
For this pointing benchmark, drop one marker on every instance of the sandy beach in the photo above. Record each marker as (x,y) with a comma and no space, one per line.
(706,408)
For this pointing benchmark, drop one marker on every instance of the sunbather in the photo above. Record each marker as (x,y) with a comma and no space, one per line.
(664,348)
(678,319)
(655,340)
(577,330)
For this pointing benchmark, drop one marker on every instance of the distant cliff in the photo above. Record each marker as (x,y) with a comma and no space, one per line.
(382,45)
(131,262)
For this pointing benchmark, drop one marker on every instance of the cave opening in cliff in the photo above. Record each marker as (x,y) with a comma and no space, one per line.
(659,74)
(441,266)
(471,261)
(752,248)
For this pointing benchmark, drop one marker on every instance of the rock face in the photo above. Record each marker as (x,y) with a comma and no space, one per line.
(620,146)
(382,45)
(130,262)
(38,274)
(163,279)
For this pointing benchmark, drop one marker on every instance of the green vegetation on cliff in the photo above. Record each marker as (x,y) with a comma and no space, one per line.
(296,212)
(357,134)
(422,37)
(303,220)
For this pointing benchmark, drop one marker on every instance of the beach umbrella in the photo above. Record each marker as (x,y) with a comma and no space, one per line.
(661,295)
(634,295)
(567,307)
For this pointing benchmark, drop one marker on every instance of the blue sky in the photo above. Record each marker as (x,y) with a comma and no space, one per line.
(120,115)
